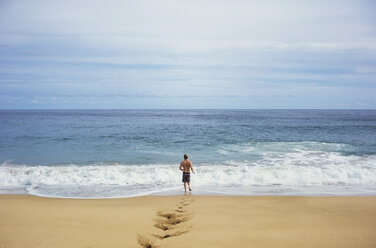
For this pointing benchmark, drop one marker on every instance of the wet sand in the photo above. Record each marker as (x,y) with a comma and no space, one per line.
(188,221)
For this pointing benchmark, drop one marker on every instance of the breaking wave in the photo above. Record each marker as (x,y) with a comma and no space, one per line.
(294,170)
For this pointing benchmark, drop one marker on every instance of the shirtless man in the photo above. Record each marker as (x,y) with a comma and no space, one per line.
(186,166)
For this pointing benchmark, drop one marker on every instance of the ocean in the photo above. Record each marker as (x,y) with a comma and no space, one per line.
(124,153)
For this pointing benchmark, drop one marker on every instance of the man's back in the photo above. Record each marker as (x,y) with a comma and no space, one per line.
(187,165)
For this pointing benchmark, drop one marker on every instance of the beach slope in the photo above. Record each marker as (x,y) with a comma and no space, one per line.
(188,221)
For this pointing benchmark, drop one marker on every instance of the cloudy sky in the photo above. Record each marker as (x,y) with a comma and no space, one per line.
(187,54)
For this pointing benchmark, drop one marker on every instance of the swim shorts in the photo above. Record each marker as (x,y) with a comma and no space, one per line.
(186,177)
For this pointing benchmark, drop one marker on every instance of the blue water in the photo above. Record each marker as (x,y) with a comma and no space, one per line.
(234,150)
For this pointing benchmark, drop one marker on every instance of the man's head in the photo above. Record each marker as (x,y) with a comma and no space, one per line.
(185,156)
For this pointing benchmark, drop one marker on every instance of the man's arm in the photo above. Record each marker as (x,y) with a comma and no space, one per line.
(192,169)
(181,167)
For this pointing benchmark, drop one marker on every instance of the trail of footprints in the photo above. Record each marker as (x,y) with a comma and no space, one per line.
(170,224)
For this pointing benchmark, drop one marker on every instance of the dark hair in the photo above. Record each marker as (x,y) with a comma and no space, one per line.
(185,156)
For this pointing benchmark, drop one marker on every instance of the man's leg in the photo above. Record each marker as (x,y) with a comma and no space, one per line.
(185,187)
(189,186)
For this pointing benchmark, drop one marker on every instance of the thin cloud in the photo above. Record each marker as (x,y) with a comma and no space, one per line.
(245,53)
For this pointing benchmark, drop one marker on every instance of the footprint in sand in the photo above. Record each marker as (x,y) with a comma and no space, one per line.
(186,201)
(171,235)
(169,223)
(145,242)
(180,211)
(171,218)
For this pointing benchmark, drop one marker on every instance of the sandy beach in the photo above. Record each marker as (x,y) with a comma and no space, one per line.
(188,221)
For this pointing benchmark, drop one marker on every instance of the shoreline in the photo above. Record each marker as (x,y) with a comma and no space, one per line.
(182,194)
(188,220)
(271,190)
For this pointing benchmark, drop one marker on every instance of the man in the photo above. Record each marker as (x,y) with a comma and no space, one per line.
(186,166)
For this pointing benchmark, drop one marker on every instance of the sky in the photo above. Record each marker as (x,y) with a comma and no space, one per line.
(187,54)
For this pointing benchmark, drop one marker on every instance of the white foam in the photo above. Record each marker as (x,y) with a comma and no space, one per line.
(297,170)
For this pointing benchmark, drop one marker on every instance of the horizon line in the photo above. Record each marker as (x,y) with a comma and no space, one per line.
(187,109)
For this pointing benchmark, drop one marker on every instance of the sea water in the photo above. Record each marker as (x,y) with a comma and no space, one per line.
(122,153)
